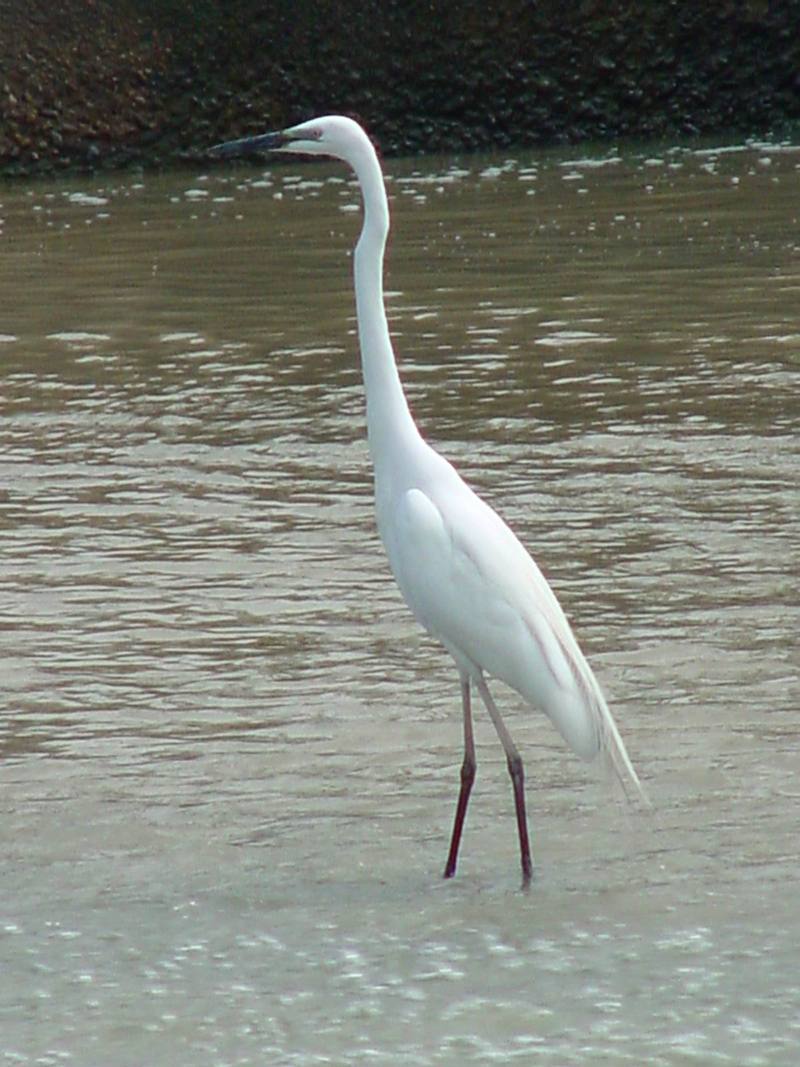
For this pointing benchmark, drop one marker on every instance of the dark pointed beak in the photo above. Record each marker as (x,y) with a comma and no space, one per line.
(250,146)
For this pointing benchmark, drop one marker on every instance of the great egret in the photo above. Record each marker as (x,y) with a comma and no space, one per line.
(463,573)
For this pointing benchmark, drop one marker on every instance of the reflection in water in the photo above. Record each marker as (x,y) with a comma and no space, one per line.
(227,755)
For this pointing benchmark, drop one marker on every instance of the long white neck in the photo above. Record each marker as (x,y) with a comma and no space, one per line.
(388,416)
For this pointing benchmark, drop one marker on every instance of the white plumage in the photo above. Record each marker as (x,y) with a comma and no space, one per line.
(464,574)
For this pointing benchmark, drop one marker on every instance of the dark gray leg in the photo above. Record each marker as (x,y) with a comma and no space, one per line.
(467,778)
(517,779)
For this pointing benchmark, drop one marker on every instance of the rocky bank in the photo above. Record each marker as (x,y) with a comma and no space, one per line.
(107,83)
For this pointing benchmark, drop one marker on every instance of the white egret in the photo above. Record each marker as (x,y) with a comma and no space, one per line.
(463,573)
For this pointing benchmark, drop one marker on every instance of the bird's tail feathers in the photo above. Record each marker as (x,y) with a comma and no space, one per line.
(616,755)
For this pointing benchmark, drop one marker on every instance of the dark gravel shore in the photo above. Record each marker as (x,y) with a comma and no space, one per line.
(90,84)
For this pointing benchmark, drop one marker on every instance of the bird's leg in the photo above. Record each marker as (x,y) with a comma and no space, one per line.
(517,779)
(467,778)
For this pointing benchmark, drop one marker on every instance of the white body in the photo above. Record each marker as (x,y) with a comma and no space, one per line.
(472,585)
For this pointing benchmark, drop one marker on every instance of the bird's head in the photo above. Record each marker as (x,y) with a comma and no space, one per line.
(331,135)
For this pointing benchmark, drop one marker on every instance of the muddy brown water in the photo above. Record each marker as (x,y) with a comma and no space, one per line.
(229,760)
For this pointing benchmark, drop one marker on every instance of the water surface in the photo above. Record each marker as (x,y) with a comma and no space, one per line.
(229,760)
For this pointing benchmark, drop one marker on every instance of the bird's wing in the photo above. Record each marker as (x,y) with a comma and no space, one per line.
(472,584)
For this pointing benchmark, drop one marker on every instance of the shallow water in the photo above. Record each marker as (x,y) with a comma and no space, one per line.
(228,759)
